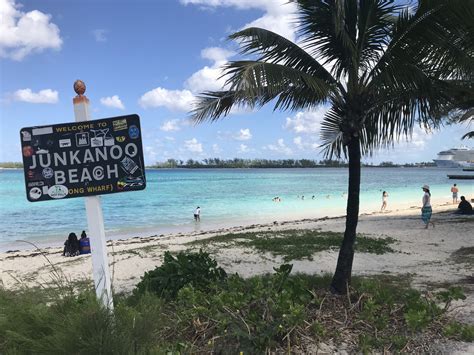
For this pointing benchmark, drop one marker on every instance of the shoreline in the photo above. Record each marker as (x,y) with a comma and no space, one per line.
(287,214)
(136,254)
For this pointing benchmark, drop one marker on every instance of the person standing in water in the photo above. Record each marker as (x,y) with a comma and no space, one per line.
(426,210)
(197,214)
(384,200)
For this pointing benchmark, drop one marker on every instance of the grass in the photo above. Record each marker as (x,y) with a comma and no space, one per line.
(297,244)
(273,313)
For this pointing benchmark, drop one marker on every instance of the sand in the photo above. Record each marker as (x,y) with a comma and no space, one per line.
(427,256)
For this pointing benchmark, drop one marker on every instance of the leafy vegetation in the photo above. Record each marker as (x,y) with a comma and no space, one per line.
(187,314)
(11,165)
(298,244)
(195,269)
(215,163)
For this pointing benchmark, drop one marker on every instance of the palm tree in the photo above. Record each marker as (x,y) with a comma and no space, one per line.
(391,67)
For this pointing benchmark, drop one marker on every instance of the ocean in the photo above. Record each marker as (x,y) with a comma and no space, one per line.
(227,197)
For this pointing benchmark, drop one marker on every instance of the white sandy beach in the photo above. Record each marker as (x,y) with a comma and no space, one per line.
(427,256)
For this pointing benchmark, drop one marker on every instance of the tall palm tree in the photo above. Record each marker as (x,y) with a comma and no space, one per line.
(391,67)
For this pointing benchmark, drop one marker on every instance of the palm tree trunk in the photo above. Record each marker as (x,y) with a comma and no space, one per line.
(342,276)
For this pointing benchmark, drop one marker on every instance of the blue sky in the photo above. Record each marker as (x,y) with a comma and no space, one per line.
(151,58)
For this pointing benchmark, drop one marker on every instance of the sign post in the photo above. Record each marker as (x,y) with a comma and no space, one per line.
(85,158)
(95,217)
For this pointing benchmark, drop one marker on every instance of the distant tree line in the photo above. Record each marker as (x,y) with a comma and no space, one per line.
(269,163)
(11,165)
(254,163)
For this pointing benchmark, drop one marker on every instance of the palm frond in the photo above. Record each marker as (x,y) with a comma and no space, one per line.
(437,38)
(332,137)
(375,22)
(254,83)
(273,48)
(211,105)
(253,77)
(329,30)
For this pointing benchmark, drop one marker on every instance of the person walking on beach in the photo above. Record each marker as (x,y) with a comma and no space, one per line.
(426,210)
(455,191)
(197,214)
(384,200)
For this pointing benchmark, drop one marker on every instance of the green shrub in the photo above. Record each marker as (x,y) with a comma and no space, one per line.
(464,332)
(195,269)
(206,312)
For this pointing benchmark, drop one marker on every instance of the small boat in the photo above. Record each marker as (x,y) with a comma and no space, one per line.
(468,169)
(461,177)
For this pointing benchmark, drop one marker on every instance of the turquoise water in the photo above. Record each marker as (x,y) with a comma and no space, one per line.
(227,197)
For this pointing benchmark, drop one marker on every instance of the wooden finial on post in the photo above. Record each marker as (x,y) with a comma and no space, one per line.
(80,89)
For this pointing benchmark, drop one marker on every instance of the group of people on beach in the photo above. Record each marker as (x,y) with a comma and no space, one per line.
(75,247)
(464,206)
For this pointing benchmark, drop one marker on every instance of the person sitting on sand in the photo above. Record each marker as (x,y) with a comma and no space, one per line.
(426,210)
(84,244)
(71,245)
(384,200)
(197,214)
(464,207)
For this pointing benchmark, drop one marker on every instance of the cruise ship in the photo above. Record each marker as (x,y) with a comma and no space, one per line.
(455,158)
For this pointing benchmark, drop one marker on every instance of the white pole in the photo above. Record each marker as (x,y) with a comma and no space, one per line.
(95,218)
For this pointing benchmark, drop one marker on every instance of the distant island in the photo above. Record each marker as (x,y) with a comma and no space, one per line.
(11,165)
(236,163)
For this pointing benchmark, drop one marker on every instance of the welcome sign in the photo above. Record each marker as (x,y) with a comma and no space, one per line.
(83,158)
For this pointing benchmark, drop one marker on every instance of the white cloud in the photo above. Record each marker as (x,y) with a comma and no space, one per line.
(243,135)
(209,78)
(306,121)
(243,148)
(22,33)
(305,145)
(216,54)
(279,147)
(175,100)
(151,155)
(278,16)
(216,149)
(298,142)
(113,102)
(205,79)
(193,145)
(100,35)
(173,125)
(46,96)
